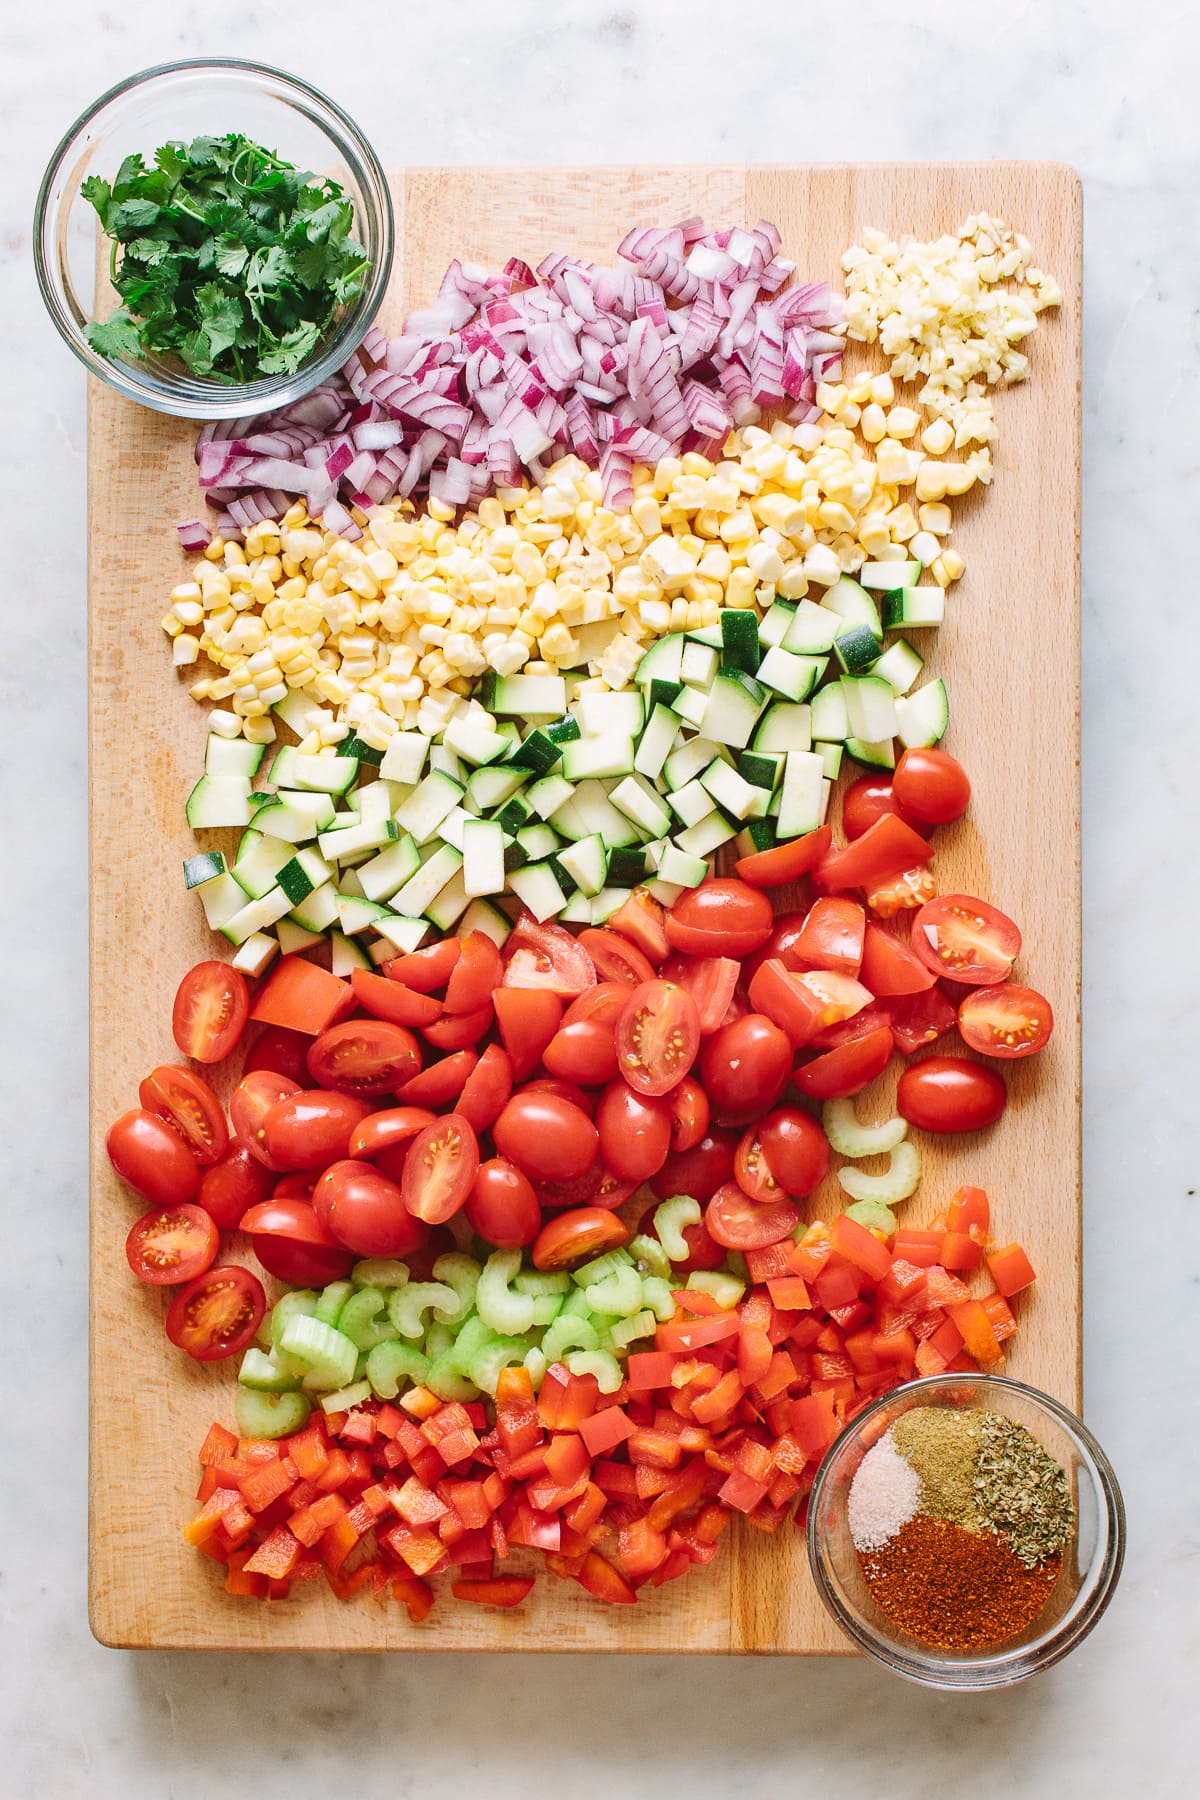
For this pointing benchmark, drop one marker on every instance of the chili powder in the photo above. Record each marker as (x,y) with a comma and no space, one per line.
(956,1589)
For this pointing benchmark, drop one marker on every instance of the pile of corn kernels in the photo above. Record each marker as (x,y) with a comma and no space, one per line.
(390,632)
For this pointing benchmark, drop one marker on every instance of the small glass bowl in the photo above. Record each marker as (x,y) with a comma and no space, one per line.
(180,101)
(1091,1563)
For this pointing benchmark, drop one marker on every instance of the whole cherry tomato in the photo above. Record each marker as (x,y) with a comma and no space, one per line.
(310,1129)
(362,1209)
(150,1157)
(931,786)
(502,1206)
(292,1244)
(635,1131)
(546,1137)
(721,917)
(233,1184)
(948,1093)
(744,1068)
(281,1050)
(699,1170)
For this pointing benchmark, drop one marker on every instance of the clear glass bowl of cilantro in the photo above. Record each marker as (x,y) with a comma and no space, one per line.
(213,239)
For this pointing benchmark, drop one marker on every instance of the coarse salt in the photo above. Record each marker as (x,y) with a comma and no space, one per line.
(883,1495)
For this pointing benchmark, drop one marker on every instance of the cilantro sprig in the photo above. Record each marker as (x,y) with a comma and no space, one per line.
(225,257)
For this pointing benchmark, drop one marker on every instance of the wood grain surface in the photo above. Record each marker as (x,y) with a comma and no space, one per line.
(1010,653)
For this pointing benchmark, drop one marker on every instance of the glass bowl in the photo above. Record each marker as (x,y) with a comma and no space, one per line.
(185,100)
(1091,1563)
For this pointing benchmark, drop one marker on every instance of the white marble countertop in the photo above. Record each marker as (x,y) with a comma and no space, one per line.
(1109,88)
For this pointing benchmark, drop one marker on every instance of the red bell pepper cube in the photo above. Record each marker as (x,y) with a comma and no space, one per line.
(565,1400)
(338,1542)
(267,1482)
(473,1551)
(416,1595)
(1010,1269)
(903,1281)
(649,1369)
(640,1548)
(683,1491)
(651,1480)
(567,1458)
(616,1479)
(1000,1315)
(660,1449)
(301,996)
(238,1582)
(537,1530)
(754,1354)
(741,1492)
(470,1501)
(683,1336)
(979,1340)
(771,1262)
(501,1590)
(203,1528)
(517,1420)
(219,1446)
(836,1285)
(813,1421)
(920,1247)
(942,1289)
(276,1556)
(790,1292)
(604,1430)
(860,1247)
(778,1377)
(420,1550)
(585,1511)
(360,1427)
(960,1251)
(712,1406)
(969,1211)
(416,1504)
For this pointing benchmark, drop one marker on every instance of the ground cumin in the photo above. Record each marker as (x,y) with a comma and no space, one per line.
(956,1589)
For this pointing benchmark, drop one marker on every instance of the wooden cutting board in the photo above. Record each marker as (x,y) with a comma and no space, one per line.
(1010,653)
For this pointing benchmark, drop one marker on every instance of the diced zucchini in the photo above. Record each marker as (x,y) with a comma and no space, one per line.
(638,801)
(783,728)
(355,914)
(734,703)
(608,901)
(800,794)
(593,758)
(831,756)
(514,815)
(621,715)
(319,911)
(627,866)
(699,666)
(732,792)
(764,769)
(922,718)
(665,892)
(887,577)
(386,873)
(548,794)
(372,834)
(596,812)
(706,835)
(690,704)
(739,640)
(373,800)
(221,898)
(306,870)
(856,649)
(793,677)
(526,696)
(258,862)
(360,750)
(489,788)
(812,629)
(537,887)
(662,661)
(204,867)
(294,709)
(346,955)
(481,916)
(881,755)
(829,722)
(325,774)
(870,707)
(474,741)
(256,915)
(586,863)
(279,819)
(256,952)
(443,761)
(899,666)
(483,858)
(536,756)
(657,742)
(401,935)
(913,607)
(232,756)
(217,801)
(852,604)
(422,889)
(692,802)
(684,764)
(776,622)
(681,869)
(448,907)
(294,938)
(537,842)
(759,834)
(429,803)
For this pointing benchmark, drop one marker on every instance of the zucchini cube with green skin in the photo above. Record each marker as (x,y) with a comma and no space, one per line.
(913,608)
(852,604)
(362,752)
(481,916)
(792,677)
(662,661)
(811,629)
(922,717)
(626,867)
(232,756)
(739,639)
(205,867)
(325,774)
(856,649)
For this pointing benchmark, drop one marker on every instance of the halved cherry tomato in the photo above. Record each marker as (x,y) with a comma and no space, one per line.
(476,974)
(721,917)
(796,1149)
(281,1051)
(849,1068)
(172,1243)
(298,1185)
(847,1031)
(150,1157)
(615,958)
(699,1170)
(583,1052)
(866,800)
(689,1113)
(387,999)
(884,850)
(441,1169)
(752,1171)
(487,1088)
(902,893)
(657,1037)
(502,1206)
(948,1093)
(744,1068)
(641,920)
(597,1186)
(575,1237)
(456,1031)
(966,940)
(605,1002)
(889,966)
(365,1057)
(441,1082)
(832,935)
(565,1090)
(546,1137)
(218,1314)
(292,1244)
(778,947)
(361,1208)
(526,1020)
(211,1007)
(931,785)
(635,1131)
(546,957)
(918,1019)
(710,980)
(249,1104)
(786,862)
(1008,1020)
(384,1130)
(237,1181)
(306,1130)
(733,1219)
(186,1100)
(425,971)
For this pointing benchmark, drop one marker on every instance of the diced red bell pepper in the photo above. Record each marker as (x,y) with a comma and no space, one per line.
(267,1482)
(416,1595)
(617,1480)
(469,1500)
(741,1492)
(942,1289)
(860,1247)
(902,1281)
(789,1292)
(661,1449)
(219,1446)
(517,1418)
(420,1402)
(979,1340)
(564,1400)
(960,1251)
(1000,1316)
(754,1354)
(203,1528)
(301,996)
(814,1421)
(605,1582)
(420,1550)
(359,1428)
(700,1304)
(338,1542)
(682,1336)
(968,1210)
(416,1504)
(604,1430)
(920,1247)
(500,1590)
(237,1581)
(585,1511)
(777,1379)
(649,1369)
(1010,1269)
(537,1530)
(640,1548)
(710,1407)
(276,1556)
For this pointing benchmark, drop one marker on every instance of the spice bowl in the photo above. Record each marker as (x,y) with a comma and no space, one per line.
(1066,1596)
(181,101)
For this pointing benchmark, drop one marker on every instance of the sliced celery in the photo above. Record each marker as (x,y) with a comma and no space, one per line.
(725,1289)
(658,1297)
(605,1368)
(364,1319)
(669,1221)
(329,1356)
(649,1255)
(502,1353)
(898,1182)
(270,1415)
(407,1305)
(300,1303)
(265,1375)
(874,1215)
(391,1363)
(346,1398)
(331,1302)
(619,1294)
(461,1273)
(611,1263)
(628,1331)
(849,1138)
(380,1272)
(567,1333)
(446,1380)
(540,1282)
(546,1308)
(499,1306)
(536,1363)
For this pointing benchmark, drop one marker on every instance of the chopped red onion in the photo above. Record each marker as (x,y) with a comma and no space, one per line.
(505,373)
(194,535)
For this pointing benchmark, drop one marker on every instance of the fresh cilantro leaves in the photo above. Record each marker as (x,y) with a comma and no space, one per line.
(226,259)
